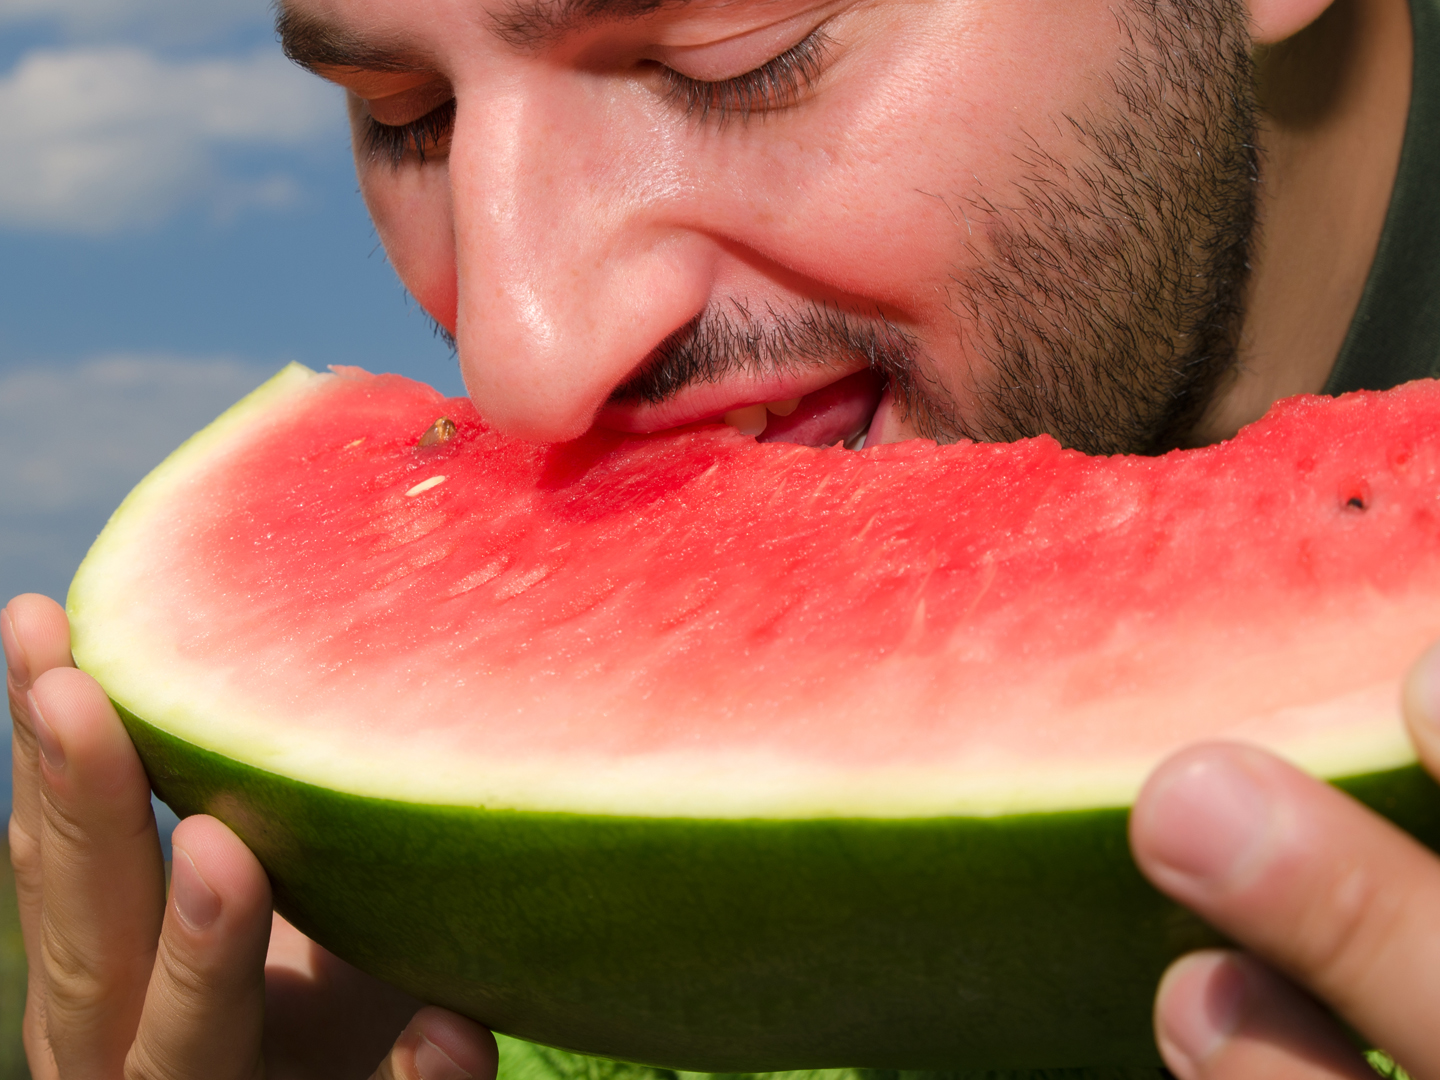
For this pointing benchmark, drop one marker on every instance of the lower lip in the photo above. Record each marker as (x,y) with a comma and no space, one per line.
(833,414)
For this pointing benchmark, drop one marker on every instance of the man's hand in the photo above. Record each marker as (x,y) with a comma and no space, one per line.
(125,981)
(1330,899)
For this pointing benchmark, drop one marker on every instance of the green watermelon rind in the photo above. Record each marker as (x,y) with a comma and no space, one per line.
(1023,941)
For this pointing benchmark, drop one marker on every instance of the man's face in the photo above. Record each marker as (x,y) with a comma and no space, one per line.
(1018,215)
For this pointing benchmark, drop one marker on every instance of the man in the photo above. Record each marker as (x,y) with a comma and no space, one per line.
(824,220)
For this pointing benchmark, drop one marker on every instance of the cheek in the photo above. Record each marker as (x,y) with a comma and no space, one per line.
(412,213)
(885,192)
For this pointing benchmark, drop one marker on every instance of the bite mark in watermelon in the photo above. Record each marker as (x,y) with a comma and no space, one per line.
(692,751)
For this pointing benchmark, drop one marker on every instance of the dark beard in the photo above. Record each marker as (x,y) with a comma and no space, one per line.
(1109,312)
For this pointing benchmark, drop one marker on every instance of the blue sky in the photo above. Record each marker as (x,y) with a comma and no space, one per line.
(178,219)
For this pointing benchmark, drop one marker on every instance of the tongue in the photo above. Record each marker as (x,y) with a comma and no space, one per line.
(832,414)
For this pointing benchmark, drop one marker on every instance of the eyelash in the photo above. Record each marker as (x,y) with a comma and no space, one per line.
(774,85)
(396,142)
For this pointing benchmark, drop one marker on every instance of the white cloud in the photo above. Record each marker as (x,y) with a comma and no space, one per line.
(75,438)
(167,19)
(109,138)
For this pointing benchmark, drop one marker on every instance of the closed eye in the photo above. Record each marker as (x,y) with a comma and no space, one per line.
(775,85)
(419,139)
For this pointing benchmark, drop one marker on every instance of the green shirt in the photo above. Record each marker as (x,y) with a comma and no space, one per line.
(1395,336)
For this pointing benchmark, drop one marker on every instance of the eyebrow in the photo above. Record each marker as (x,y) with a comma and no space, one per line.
(313,42)
(528,24)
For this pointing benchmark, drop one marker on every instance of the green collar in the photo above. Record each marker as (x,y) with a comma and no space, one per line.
(1395,335)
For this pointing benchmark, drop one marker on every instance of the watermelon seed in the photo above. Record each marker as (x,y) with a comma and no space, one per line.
(1355,502)
(439,433)
(425,485)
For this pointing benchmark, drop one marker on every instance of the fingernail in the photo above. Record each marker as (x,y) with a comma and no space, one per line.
(15,661)
(432,1063)
(195,902)
(1198,1010)
(50,748)
(1208,821)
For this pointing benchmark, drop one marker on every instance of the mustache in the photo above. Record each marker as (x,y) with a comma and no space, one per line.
(720,343)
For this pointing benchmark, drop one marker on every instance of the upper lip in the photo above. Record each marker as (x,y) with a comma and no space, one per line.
(711,401)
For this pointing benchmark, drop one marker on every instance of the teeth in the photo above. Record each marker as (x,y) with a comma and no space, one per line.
(750,420)
(783,408)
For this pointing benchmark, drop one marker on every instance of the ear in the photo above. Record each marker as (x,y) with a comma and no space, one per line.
(1273,21)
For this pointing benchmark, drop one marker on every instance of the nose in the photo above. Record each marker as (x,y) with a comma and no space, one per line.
(571,262)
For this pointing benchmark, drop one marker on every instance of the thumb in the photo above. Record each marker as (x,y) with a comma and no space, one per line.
(1314,883)
(439,1045)
(1422,708)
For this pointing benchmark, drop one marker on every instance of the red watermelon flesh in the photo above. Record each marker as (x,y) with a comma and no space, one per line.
(694,624)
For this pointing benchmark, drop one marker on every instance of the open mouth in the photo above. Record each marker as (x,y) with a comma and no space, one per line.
(854,411)
(841,412)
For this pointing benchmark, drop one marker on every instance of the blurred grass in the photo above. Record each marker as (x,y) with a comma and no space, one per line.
(1381,1063)
(12,977)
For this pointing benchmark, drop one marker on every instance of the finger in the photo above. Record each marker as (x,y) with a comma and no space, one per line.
(1422,708)
(102,877)
(324,1017)
(36,637)
(439,1045)
(1308,879)
(205,1006)
(1224,1014)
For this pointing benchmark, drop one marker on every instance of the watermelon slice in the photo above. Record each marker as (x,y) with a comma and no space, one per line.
(696,752)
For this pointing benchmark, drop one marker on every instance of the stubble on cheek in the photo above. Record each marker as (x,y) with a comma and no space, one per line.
(1106,311)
